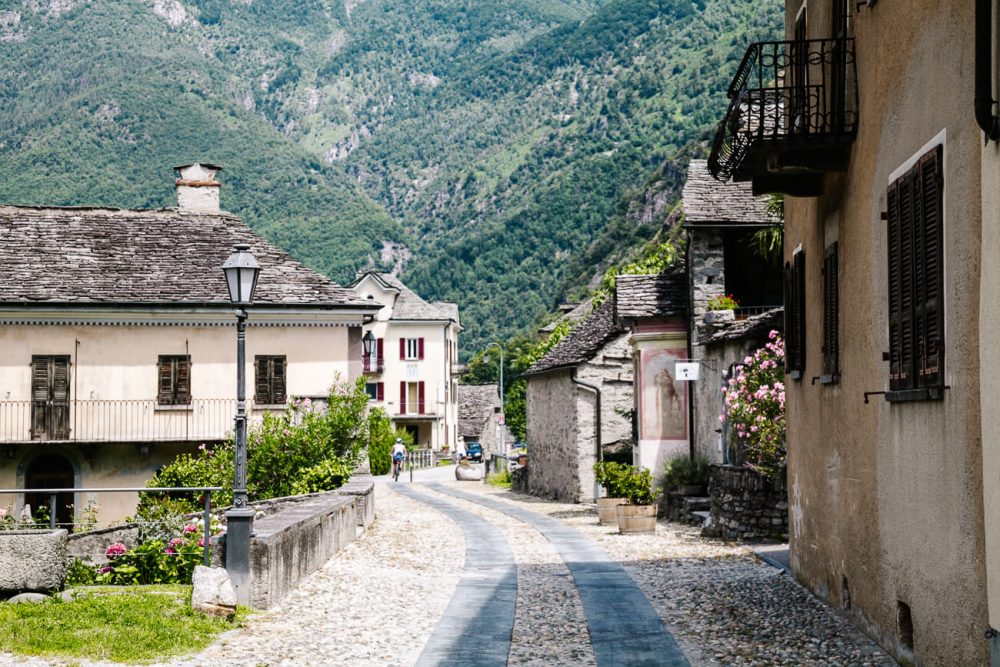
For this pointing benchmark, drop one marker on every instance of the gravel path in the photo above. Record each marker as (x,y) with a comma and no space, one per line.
(722,605)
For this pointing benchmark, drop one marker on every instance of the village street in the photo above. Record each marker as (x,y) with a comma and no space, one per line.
(464,573)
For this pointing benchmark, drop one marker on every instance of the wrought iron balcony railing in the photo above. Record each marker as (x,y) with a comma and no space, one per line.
(788,104)
(371,365)
(87,421)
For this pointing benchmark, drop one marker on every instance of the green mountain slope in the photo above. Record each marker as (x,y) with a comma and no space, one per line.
(500,154)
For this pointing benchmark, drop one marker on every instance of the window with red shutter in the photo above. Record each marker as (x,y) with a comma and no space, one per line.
(916,280)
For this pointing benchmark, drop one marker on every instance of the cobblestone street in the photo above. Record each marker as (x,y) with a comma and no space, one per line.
(400,595)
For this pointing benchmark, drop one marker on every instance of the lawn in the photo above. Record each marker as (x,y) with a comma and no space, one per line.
(133,624)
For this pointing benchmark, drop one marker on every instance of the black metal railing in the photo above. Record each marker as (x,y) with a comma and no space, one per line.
(372,365)
(797,90)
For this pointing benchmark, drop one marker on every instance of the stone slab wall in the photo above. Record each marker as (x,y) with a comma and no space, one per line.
(552,425)
(746,506)
(32,560)
(363,489)
(92,545)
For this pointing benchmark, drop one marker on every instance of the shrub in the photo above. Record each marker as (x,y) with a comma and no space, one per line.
(683,470)
(154,562)
(637,486)
(324,476)
(611,475)
(80,573)
(755,408)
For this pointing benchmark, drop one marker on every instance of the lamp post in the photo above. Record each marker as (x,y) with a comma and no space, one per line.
(503,424)
(241,271)
(368,343)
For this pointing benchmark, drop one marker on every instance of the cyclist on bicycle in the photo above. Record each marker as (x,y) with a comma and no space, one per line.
(398,453)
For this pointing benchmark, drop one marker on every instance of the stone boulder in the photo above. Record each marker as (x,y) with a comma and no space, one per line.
(32,560)
(212,592)
(468,473)
(30,598)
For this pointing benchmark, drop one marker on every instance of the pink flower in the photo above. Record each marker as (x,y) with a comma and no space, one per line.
(104,570)
(116,549)
(190,528)
(4,512)
(170,550)
(201,542)
(176,542)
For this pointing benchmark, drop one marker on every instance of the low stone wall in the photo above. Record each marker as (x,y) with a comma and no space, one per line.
(361,488)
(91,546)
(746,505)
(32,560)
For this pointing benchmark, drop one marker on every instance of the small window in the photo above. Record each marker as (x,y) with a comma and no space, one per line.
(411,349)
(271,373)
(375,391)
(795,315)
(916,277)
(831,316)
(174,379)
(411,398)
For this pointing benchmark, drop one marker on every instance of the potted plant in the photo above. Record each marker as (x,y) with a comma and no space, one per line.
(721,309)
(687,476)
(609,475)
(639,514)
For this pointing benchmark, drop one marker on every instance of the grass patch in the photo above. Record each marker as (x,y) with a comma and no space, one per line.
(501,479)
(133,624)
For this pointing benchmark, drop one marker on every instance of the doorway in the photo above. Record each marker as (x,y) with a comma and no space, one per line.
(51,471)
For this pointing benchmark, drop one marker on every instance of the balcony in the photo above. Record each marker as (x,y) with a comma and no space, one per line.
(793,115)
(90,421)
(370,365)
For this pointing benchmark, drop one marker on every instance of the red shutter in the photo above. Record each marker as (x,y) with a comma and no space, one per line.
(402,398)
(420,348)
(402,348)
(420,395)
(379,391)
(379,354)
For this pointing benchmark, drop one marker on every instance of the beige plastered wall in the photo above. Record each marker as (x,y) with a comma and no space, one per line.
(120,363)
(886,499)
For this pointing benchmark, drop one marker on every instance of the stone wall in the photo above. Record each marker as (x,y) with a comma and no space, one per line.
(91,545)
(519,480)
(746,506)
(32,560)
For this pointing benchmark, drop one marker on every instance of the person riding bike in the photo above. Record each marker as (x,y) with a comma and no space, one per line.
(398,454)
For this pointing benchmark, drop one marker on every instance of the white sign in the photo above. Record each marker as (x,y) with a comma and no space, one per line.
(687,371)
(500,418)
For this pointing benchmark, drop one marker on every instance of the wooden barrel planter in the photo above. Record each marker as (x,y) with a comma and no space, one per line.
(636,519)
(607,510)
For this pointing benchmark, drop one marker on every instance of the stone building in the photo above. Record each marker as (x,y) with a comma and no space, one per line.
(579,398)
(118,342)
(720,220)
(479,417)
(654,310)
(882,130)
(412,369)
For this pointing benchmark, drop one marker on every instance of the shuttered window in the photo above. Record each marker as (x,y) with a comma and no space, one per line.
(795,315)
(411,349)
(50,393)
(270,381)
(174,380)
(831,316)
(916,276)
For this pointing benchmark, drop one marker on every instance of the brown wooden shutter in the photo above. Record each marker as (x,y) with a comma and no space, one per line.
(897,370)
(182,391)
(402,348)
(165,384)
(279,373)
(420,348)
(928,306)
(60,398)
(261,380)
(420,397)
(402,398)
(795,315)
(831,314)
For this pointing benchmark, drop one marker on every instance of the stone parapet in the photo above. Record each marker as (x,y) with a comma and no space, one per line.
(745,505)
(32,560)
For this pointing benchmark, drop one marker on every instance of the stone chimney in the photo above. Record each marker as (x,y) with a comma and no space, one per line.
(197,189)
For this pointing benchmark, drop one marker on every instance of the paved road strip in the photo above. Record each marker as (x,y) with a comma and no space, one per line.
(478,624)
(624,627)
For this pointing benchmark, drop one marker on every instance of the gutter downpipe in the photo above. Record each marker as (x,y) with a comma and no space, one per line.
(597,422)
(987,121)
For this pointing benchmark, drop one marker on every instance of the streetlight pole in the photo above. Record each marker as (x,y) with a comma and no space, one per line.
(503,422)
(241,271)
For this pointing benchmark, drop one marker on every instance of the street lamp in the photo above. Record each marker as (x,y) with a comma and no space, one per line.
(241,270)
(503,421)
(368,343)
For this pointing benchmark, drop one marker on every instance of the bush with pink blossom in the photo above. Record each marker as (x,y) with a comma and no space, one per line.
(755,408)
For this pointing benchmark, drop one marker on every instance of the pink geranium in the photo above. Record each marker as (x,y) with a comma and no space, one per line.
(115,550)
(190,528)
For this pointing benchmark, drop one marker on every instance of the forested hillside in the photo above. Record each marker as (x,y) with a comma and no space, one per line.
(499,153)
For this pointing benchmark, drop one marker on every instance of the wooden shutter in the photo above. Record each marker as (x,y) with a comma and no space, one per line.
(39,395)
(420,397)
(928,305)
(59,423)
(380,391)
(420,348)
(379,354)
(261,380)
(50,397)
(182,390)
(165,384)
(897,369)
(402,398)
(831,314)
(278,374)
(794,279)
(174,380)
(402,348)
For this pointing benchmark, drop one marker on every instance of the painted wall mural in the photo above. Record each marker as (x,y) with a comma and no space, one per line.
(664,407)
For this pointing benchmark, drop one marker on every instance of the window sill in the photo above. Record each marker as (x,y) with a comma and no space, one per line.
(174,408)
(795,375)
(922,394)
(270,406)
(829,379)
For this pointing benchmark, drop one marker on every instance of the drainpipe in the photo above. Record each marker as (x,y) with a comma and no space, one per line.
(597,422)
(984,102)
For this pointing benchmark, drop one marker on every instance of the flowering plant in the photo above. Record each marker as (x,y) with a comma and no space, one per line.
(755,407)
(725,302)
(154,561)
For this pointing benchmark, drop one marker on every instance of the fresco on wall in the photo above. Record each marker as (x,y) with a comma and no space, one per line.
(664,399)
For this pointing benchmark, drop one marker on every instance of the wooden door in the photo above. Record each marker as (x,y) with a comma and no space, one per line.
(50,397)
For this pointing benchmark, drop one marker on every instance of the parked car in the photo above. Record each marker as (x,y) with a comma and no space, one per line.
(474,451)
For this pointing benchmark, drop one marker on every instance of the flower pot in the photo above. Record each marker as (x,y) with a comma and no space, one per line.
(607,512)
(636,519)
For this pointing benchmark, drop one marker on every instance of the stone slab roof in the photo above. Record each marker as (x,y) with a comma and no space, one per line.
(573,315)
(475,405)
(753,326)
(709,202)
(410,306)
(164,256)
(663,295)
(582,343)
